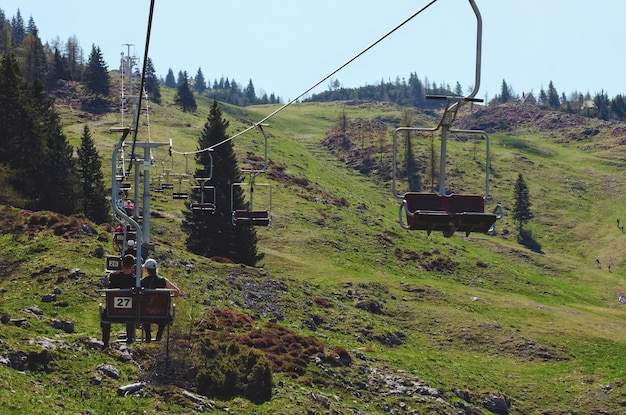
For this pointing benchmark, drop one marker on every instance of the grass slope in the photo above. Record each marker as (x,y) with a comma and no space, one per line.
(472,317)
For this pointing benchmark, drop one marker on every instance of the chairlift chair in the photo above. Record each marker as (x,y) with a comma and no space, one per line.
(442,212)
(180,194)
(207,203)
(251,216)
(138,306)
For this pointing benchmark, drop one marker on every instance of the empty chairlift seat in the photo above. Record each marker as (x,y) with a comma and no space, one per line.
(448,214)
(251,217)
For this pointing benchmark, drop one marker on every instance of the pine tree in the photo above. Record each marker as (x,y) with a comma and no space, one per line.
(170,81)
(96,76)
(505,94)
(18,31)
(152,83)
(521,210)
(95,205)
(213,234)
(184,96)
(5,34)
(199,82)
(59,70)
(250,94)
(553,97)
(57,180)
(34,56)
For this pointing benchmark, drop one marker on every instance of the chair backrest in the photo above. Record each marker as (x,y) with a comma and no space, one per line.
(466,203)
(113,263)
(251,217)
(125,304)
(423,201)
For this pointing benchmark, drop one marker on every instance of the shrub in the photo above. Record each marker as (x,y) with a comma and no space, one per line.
(230,369)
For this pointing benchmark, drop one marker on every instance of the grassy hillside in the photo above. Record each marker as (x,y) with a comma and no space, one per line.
(431,324)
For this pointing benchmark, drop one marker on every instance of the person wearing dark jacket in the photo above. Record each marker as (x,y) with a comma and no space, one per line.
(152,281)
(125,278)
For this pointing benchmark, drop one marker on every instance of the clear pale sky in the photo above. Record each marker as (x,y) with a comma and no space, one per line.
(287,46)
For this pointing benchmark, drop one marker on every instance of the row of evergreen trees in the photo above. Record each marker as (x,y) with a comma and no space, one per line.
(597,106)
(54,62)
(411,93)
(224,90)
(38,167)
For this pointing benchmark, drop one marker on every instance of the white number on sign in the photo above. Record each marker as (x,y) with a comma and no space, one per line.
(123,302)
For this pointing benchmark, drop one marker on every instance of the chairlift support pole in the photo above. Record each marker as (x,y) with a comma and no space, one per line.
(143,234)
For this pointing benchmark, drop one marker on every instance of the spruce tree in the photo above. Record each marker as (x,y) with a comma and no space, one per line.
(521,209)
(151,83)
(250,94)
(553,97)
(18,30)
(170,81)
(57,180)
(505,94)
(95,205)
(213,234)
(184,96)
(96,76)
(199,82)
(59,69)
(34,58)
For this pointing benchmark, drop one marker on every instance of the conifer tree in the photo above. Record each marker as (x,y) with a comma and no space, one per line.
(213,234)
(95,205)
(184,96)
(170,81)
(5,34)
(18,30)
(505,94)
(151,83)
(199,82)
(521,209)
(553,97)
(59,69)
(96,76)
(250,94)
(34,56)
(57,180)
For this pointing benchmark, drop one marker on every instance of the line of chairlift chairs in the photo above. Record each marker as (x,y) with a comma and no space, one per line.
(138,305)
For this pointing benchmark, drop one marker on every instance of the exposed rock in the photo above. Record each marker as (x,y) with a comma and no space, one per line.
(108,370)
(66,326)
(498,404)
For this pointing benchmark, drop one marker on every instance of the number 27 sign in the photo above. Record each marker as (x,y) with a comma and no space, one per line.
(123,302)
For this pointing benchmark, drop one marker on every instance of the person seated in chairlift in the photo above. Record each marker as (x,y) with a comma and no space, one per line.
(120,279)
(151,281)
(131,248)
(128,207)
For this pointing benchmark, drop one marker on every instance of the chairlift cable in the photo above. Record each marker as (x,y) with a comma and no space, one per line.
(141,85)
(358,55)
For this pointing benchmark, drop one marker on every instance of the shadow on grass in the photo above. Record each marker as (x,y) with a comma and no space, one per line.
(526,239)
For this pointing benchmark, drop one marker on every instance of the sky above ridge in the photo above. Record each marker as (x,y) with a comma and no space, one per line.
(287,47)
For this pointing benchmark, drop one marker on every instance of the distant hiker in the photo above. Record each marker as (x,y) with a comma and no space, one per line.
(598,263)
(120,279)
(151,281)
